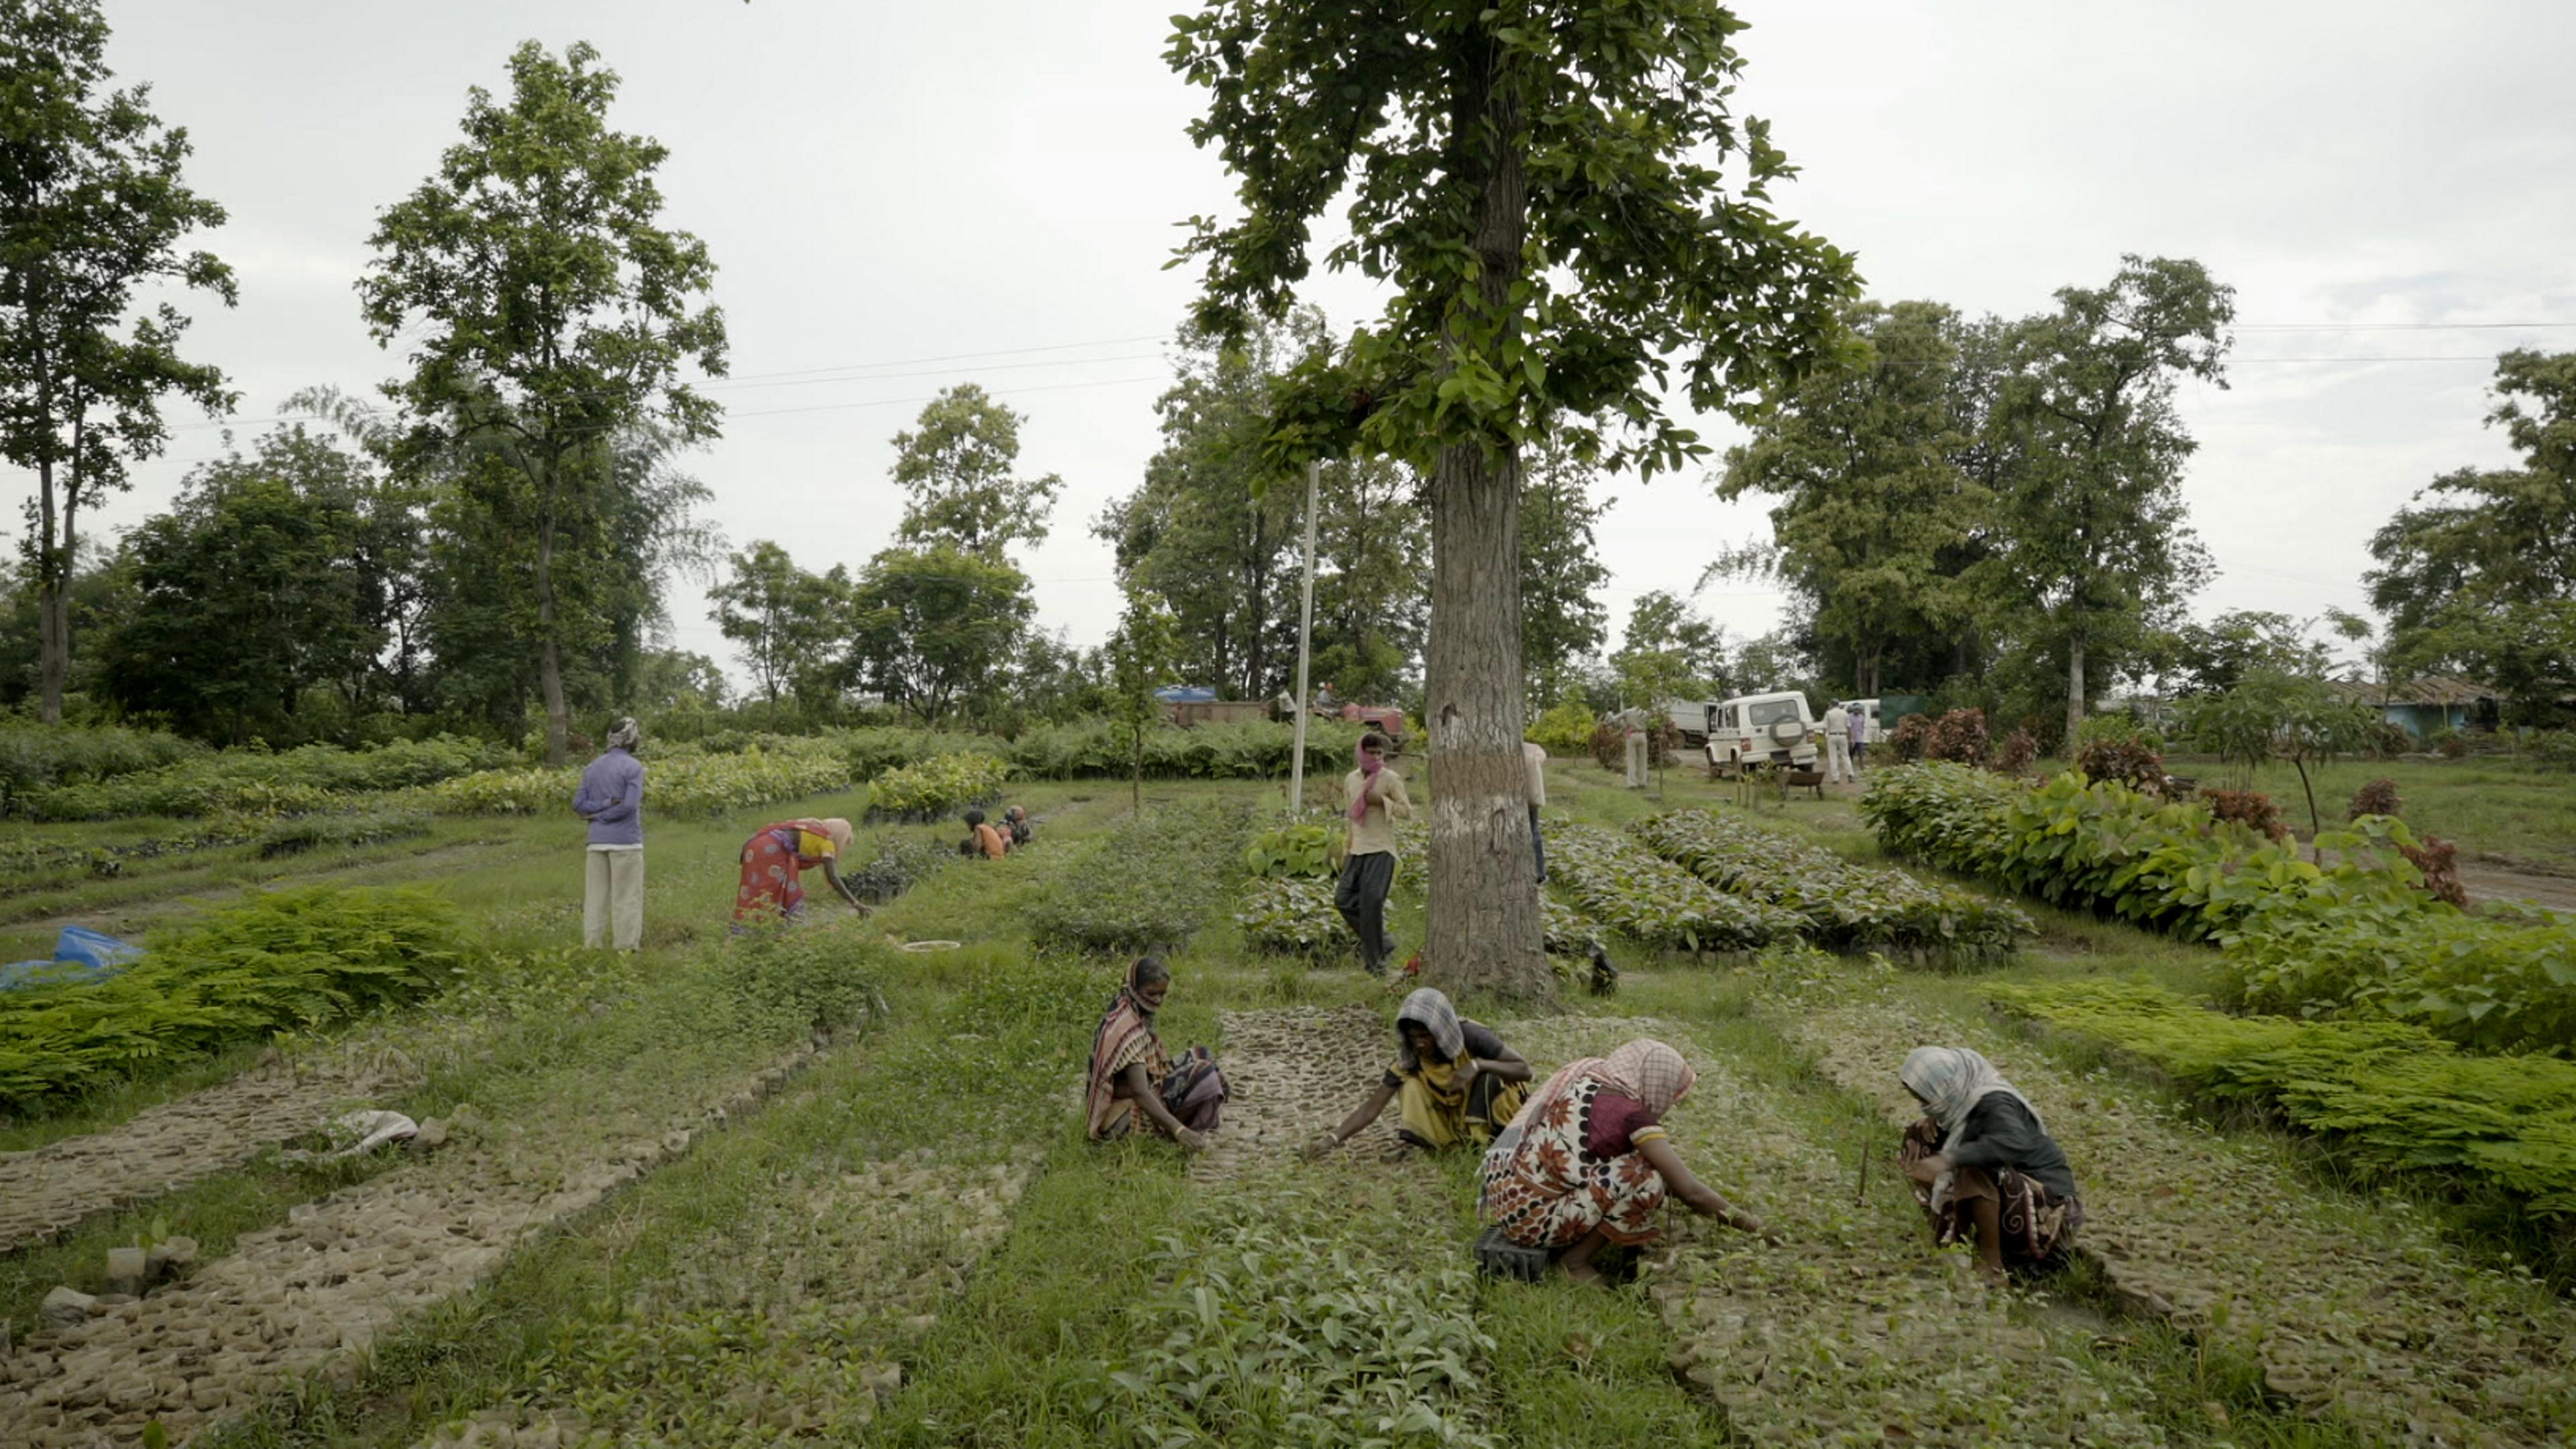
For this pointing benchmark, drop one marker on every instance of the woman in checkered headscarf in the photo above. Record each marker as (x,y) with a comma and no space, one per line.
(1587,1162)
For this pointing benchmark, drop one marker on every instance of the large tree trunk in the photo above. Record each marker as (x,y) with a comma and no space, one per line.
(549,656)
(1485,927)
(2074,690)
(53,599)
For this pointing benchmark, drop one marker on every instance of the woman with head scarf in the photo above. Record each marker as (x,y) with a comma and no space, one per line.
(774,862)
(1587,1161)
(611,798)
(1453,1080)
(1983,1166)
(1131,1083)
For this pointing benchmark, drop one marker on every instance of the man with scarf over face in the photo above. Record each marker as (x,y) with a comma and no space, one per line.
(1377,801)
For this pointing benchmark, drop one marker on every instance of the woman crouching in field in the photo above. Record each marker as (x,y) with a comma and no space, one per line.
(1587,1162)
(774,862)
(1454,1082)
(1133,1082)
(1983,1166)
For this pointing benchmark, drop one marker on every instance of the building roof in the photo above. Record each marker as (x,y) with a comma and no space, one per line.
(2430,689)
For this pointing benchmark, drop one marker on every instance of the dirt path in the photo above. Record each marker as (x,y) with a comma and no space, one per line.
(1850,1330)
(2362,1311)
(2502,883)
(48,1189)
(333,1276)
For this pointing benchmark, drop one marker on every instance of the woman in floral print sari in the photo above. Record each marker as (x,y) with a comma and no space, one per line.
(1587,1163)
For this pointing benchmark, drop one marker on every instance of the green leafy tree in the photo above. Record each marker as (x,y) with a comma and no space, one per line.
(2477,575)
(1372,611)
(1878,517)
(2095,545)
(934,627)
(276,574)
(1563,621)
(788,622)
(957,465)
(1208,530)
(1536,186)
(93,212)
(678,692)
(1664,626)
(1139,658)
(98,601)
(2269,715)
(550,317)
(2211,658)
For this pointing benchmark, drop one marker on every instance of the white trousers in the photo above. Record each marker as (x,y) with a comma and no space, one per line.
(613,897)
(1838,766)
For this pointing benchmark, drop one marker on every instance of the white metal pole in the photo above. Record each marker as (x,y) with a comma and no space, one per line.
(1305,646)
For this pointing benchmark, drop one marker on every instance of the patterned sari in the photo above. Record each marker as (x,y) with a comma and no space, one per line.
(1433,1107)
(1192,1088)
(1544,1185)
(774,862)
(2037,1225)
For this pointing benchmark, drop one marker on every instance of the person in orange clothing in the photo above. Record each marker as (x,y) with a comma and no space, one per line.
(993,843)
(774,862)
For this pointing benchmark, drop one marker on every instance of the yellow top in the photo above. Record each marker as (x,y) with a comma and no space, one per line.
(1375,833)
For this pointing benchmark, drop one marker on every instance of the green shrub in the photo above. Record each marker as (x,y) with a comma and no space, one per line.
(2394,1097)
(340,832)
(1843,906)
(901,861)
(936,787)
(2553,749)
(2491,983)
(29,857)
(1142,885)
(2117,728)
(35,757)
(685,787)
(1304,848)
(1655,902)
(1292,915)
(285,959)
(1564,730)
(820,975)
(297,781)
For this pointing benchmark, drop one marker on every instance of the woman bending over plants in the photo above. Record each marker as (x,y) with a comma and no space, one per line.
(1587,1162)
(1453,1080)
(774,862)
(1132,1082)
(1983,1167)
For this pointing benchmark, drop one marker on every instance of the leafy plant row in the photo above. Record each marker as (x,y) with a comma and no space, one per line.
(1843,905)
(2391,1095)
(1286,906)
(1253,750)
(34,757)
(936,786)
(1142,885)
(41,857)
(1655,902)
(295,781)
(2358,937)
(688,787)
(340,832)
(286,959)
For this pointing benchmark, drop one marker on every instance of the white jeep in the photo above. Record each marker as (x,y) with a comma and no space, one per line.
(1757,729)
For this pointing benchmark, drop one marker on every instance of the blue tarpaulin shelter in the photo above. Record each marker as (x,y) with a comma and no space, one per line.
(80,955)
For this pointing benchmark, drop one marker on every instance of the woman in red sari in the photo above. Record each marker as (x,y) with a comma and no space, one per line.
(774,862)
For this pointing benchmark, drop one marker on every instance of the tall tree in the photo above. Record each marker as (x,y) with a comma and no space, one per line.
(1208,531)
(551,316)
(92,210)
(277,573)
(1563,621)
(957,464)
(1372,609)
(2096,547)
(2478,573)
(932,627)
(1664,624)
(788,622)
(1877,517)
(1536,185)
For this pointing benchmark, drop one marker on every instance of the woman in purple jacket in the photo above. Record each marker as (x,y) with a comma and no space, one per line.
(611,798)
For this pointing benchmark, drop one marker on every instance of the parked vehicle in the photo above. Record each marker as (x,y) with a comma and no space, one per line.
(1757,729)
(1877,720)
(1690,718)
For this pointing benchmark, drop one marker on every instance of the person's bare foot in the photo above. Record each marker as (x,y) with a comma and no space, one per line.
(1583,1272)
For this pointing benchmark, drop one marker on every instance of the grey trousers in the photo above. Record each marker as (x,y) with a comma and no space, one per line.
(613,898)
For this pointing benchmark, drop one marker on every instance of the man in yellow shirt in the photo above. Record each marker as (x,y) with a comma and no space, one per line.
(1377,801)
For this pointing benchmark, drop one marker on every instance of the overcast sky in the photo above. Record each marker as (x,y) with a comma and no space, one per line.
(902,196)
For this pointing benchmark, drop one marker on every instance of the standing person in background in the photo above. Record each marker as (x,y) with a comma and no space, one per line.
(611,798)
(1859,738)
(1536,759)
(1838,766)
(1377,801)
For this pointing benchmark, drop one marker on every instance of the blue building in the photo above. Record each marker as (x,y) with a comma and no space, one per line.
(2422,706)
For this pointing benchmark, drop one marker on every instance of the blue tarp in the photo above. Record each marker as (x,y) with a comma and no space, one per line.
(80,955)
(1186,694)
